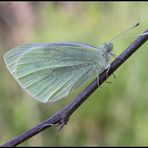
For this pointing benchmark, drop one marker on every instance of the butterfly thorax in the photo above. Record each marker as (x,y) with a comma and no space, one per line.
(105,51)
(104,54)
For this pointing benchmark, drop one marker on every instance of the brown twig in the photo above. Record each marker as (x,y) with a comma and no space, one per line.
(62,116)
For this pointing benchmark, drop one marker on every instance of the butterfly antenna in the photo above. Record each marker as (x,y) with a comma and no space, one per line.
(119,35)
(133,35)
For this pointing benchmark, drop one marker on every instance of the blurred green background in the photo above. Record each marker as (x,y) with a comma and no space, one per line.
(114,115)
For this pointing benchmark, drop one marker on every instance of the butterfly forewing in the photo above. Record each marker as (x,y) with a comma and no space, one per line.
(11,56)
(50,71)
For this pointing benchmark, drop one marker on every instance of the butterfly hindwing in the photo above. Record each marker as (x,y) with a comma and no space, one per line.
(11,56)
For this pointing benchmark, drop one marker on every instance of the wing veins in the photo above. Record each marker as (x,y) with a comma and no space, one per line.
(62,85)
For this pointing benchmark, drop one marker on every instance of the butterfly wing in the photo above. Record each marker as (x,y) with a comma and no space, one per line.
(11,56)
(50,71)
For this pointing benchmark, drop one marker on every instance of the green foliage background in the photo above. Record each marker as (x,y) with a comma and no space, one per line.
(114,115)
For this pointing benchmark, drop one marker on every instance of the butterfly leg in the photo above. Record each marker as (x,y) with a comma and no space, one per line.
(97,73)
(98,78)
(114,76)
(108,82)
(115,56)
(108,67)
(98,83)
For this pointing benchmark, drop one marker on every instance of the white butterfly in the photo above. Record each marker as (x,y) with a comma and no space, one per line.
(51,71)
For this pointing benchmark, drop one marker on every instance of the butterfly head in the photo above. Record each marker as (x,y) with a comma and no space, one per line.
(106,50)
(108,47)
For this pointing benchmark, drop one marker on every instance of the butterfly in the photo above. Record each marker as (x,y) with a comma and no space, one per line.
(50,71)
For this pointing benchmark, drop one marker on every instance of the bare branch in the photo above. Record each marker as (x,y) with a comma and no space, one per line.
(61,117)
